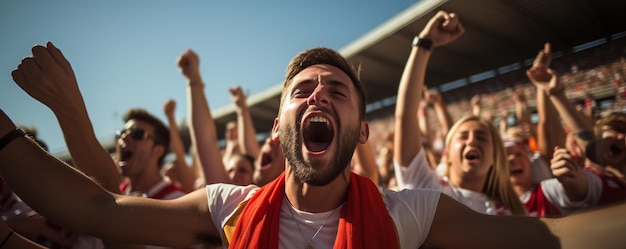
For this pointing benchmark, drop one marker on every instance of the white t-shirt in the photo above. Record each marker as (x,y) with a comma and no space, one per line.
(411,210)
(419,175)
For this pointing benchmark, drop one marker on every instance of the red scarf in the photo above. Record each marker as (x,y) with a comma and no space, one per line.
(364,220)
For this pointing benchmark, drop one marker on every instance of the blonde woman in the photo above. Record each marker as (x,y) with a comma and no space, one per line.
(477,171)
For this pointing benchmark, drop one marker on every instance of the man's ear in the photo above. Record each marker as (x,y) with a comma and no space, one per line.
(365,132)
(275,136)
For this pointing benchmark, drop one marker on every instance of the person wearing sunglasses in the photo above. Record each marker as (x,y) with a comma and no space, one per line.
(140,149)
(321,92)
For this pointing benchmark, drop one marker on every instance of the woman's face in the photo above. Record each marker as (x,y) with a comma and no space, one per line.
(471,151)
(239,170)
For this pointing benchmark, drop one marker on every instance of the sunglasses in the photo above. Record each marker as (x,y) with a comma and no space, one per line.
(135,134)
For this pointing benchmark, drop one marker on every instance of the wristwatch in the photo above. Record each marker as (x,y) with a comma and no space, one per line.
(423,43)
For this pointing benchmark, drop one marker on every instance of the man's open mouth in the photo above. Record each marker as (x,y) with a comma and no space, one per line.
(317,133)
(125,155)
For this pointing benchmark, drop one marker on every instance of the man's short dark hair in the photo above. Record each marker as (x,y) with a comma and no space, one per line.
(161,132)
(321,55)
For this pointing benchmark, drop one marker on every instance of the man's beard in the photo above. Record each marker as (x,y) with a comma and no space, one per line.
(305,173)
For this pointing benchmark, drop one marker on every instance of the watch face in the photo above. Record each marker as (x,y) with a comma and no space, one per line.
(422,43)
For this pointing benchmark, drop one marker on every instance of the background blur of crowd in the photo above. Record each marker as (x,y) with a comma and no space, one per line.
(595,80)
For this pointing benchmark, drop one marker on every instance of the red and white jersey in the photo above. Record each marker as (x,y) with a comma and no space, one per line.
(613,189)
(549,198)
(537,204)
(164,190)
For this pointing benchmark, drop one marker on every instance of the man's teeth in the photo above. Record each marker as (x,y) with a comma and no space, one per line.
(318,119)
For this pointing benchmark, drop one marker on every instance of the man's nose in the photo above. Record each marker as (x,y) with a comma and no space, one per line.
(318,96)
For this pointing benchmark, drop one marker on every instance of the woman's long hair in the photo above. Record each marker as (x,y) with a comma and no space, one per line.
(498,186)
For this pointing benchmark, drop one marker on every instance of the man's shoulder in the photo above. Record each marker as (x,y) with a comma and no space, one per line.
(230,191)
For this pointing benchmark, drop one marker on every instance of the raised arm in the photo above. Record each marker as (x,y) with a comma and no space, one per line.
(550,132)
(522,112)
(475,104)
(245,127)
(71,199)
(426,131)
(49,78)
(185,174)
(503,123)
(203,130)
(231,137)
(440,30)
(546,80)
(422,120)
(443,116)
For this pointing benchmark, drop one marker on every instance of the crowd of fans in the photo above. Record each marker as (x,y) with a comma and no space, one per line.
(536,143)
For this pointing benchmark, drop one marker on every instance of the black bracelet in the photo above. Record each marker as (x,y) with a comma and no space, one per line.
(423,43)
(4,141)
(6,238)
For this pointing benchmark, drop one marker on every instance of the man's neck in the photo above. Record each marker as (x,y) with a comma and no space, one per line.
(316,199)
(144,182)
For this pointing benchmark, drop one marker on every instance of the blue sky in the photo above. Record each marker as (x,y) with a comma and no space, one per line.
(124,52)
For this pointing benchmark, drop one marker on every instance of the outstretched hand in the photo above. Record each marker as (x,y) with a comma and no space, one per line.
(542,64)
(519,96)
(48,77)
(238,96)
(169,107)
(432,97)
(189,64)
(442,28)
(551,86)
(475,101)
(541,75)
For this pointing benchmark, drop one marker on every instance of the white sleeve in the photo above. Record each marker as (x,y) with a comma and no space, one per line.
(418,174)
(223,200)
(555,193)
(412,211)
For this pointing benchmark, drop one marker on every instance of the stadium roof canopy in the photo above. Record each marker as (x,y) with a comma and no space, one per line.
(498,33)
